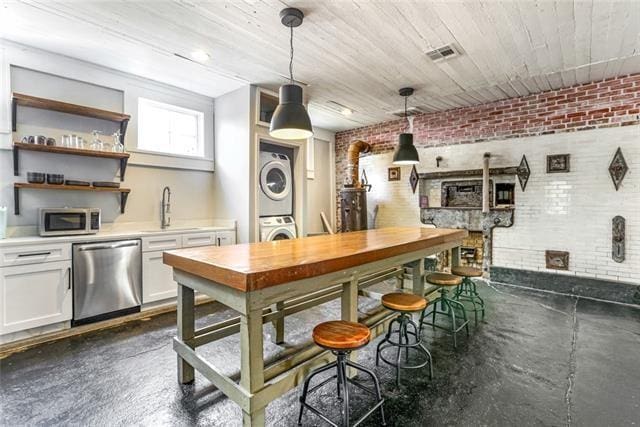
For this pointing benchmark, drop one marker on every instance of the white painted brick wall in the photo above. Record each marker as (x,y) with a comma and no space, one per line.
(564,211)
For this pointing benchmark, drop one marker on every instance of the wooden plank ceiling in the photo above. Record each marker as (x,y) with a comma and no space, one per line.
(355,53)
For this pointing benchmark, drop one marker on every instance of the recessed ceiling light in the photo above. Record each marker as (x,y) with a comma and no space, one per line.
(340,108)
(200,56)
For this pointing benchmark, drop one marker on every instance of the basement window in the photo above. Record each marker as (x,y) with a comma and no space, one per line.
(169,129)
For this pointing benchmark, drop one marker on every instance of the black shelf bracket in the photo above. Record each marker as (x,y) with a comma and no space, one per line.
(14,114)
(16,162)
(16,201)
(123,167)
(123,130)
(123,201)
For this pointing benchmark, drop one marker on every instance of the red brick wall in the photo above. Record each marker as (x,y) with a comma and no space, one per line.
(608,103)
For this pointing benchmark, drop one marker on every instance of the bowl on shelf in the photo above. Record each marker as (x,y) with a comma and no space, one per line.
(55,178)
(35,177)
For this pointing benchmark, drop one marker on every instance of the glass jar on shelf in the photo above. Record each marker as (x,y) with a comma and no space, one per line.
(117,146)
(96,144)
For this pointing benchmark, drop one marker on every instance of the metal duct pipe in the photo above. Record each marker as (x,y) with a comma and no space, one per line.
(353,161)
(485,183)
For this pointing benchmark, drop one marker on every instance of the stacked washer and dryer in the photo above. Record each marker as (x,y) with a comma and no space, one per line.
(276,197)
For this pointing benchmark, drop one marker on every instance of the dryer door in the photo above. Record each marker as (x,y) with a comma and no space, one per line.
(280,234)
(275,180)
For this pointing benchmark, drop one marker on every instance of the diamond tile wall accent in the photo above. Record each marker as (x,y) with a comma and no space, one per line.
(523,172)
(413,179)
(618,168)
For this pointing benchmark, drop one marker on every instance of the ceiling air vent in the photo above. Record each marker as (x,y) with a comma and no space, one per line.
(444,52)
(411,111)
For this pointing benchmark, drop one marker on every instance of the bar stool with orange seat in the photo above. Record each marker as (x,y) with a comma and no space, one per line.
(405,304)
(467,290)
(341,338)
(448,306)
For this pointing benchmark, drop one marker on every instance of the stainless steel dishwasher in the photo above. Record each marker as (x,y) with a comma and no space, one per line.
(107,280)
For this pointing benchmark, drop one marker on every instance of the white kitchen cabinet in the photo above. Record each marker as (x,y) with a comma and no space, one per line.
(157,278)
(35,295)
(227,237)
(32,254)
(164,242)
(198,239)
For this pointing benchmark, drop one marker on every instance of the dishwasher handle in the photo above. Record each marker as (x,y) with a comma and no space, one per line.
(113,246)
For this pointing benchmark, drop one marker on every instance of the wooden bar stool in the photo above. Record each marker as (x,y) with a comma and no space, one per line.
(341,338)
(448,306)
(405,304)
(467,289)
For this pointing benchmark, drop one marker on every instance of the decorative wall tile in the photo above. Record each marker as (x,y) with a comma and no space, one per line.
(618,231)
(618,168)
(557,260)
(523,172)
(558,163)
(413,179)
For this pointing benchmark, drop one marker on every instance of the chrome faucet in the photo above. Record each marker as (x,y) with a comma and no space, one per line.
(166,207)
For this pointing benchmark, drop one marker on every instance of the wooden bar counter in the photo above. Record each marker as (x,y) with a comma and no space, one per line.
(266,281)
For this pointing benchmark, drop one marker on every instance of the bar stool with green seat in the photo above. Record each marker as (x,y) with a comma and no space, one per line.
(341,338)
(448,306)
(467,289)
(404,304)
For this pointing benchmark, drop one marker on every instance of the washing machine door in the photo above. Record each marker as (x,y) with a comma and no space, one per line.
(280,234)
(275,180)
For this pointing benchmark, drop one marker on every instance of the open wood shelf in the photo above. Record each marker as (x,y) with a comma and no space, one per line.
(124,192)
(67,150)
(123,158)
(512,170)
(70,187)
(65,107)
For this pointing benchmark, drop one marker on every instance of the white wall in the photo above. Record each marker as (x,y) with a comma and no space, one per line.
(568,212)
(319,194)
(232,180)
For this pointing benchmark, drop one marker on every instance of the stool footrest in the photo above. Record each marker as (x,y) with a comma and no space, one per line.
(403,342)
(343,381)
(454,310)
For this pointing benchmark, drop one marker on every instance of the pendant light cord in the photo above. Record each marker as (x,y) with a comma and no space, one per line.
(405,111)
(291,57)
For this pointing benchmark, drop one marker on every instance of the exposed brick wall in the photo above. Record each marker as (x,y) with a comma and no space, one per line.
(608,103)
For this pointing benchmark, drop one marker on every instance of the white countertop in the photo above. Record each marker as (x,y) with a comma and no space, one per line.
(130,231)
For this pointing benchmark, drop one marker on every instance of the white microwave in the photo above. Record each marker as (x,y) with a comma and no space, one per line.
(68,221)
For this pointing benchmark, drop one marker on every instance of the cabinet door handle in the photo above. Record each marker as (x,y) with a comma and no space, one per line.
(69,278)
(115,246)
(218,241)
(34,254)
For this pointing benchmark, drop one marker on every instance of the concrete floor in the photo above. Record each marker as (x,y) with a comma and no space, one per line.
(538,359)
